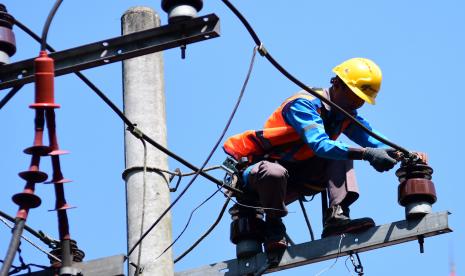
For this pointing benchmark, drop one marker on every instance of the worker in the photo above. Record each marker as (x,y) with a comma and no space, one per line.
(297,153)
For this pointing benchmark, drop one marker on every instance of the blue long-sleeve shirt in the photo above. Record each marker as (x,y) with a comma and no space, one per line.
(302,114)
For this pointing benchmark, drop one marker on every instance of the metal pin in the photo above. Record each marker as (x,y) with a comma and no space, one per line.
(183,51)
(421,241)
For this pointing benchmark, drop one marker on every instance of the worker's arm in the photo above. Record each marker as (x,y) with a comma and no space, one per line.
(359,136)
(303,116)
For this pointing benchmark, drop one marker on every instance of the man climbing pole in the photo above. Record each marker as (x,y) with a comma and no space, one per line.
(297,154)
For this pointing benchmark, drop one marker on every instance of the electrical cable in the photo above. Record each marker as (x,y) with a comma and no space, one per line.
(337,257)
(188,221)
(30,242)
(48,22)
(10,95)
(38,234)
(131,127)
(293,79)
(13,246)
(154,169)
(307,220)
(236,106)
(144,183)
(347,267)
(218,219)
(159,171)
(251,206)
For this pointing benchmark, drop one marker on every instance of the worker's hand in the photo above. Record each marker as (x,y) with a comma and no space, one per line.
(380,159)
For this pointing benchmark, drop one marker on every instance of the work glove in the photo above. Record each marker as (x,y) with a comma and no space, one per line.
(380,159)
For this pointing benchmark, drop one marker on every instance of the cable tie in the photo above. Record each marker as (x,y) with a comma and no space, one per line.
(127,171)
(262,50)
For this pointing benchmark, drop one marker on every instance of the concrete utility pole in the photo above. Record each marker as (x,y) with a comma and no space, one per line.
(144,104)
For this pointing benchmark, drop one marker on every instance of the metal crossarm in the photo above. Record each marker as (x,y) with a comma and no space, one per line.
(108,266)
(116,49)
(328,248)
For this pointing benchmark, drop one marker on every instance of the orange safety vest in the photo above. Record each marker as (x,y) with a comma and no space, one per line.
(278,140)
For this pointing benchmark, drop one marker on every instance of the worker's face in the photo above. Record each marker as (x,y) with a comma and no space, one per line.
(345,98)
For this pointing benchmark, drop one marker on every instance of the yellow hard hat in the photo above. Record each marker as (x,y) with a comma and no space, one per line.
(362,76)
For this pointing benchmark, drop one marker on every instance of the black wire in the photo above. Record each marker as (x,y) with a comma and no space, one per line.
(21,260)
(188,222)
(209,155)
(283,71)
(10,95)
(218,219)
(131,126)
(13,246)
(38,234)
(48,22)
(307,220)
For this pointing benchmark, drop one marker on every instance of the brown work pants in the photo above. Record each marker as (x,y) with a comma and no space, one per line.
(277,183)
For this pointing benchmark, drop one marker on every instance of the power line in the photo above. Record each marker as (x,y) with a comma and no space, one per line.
(48,22)
(32,243)
(144,182)
(188,221)
(209,155)
(264,52)
(206,233)
(337,257)
(38,234)
(10,95)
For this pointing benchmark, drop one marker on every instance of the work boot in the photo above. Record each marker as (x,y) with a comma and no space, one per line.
(337,221)
(275,234)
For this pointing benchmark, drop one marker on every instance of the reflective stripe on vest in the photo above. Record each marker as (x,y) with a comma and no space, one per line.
(278,140)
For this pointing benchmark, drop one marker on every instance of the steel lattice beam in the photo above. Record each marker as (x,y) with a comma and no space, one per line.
(116,49)
(324,249)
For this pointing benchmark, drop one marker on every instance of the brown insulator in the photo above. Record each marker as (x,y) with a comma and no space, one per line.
(78,254)
(247,228)
(7,37)
(416,191)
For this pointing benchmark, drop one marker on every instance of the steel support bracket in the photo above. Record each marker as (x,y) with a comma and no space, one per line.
(108,266)
(116,49)
(328,248)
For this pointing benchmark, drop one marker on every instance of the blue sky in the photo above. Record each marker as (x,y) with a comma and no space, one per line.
(418,45)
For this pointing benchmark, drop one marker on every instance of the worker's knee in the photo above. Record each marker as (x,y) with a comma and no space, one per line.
(270,174)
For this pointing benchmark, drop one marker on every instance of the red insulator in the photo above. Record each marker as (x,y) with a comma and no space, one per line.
(44,78)
(33,176)
(27,200)
(38,150)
